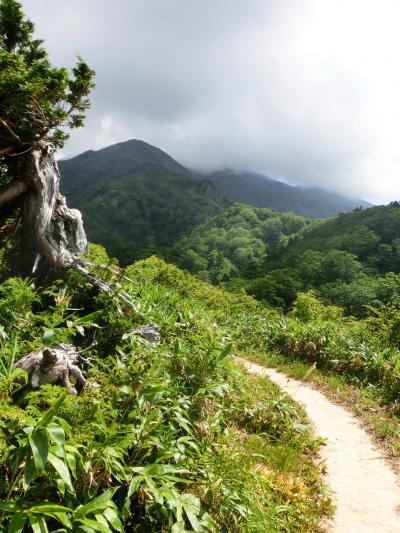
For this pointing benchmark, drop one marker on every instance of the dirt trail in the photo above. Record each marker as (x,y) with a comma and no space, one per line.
(364,488)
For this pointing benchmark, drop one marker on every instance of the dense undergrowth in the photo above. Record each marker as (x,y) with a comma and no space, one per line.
(168,437)
(366,351)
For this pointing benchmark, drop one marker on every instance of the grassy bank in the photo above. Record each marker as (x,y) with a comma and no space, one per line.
(357,361)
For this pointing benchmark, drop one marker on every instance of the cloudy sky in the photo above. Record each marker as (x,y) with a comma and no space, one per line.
(303,90)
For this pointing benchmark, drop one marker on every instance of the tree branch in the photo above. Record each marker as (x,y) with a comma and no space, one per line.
(12,191)
(10,131)
(6,150)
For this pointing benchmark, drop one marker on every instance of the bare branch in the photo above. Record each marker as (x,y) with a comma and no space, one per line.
(12,191)
(113,289)
(24,152)
(6,150)
(10,131)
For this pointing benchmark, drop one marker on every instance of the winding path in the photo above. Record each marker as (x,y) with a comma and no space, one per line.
(364,488)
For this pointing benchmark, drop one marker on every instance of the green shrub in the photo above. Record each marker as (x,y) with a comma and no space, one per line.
(306,308)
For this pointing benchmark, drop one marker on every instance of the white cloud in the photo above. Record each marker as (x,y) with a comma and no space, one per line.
(305,90)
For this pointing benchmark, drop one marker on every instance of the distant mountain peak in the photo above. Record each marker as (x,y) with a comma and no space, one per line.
(140,151)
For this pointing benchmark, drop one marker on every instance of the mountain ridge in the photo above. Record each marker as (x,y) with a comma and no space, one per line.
(233,183)
(137,200)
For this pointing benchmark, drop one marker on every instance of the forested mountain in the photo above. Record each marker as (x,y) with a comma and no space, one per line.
(260,191)
(352,260)
(136,199)
(238,242)
(373,235)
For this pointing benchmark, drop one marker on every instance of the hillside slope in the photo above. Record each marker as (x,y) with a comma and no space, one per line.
(237,242)
(370,234)
(352,261)
(166,436)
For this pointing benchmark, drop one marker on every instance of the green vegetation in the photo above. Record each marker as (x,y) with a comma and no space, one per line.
(237,243)
(367,351)
(357,360)
(166,437)
(138,201)
(174,435)
(351,261)
(37,100)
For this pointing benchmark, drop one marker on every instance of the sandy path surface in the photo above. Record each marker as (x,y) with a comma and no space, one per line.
(364,488)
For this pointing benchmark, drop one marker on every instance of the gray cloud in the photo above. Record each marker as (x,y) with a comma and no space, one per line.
(298,90)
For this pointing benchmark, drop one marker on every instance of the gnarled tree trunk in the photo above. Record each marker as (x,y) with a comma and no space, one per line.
(51,235)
